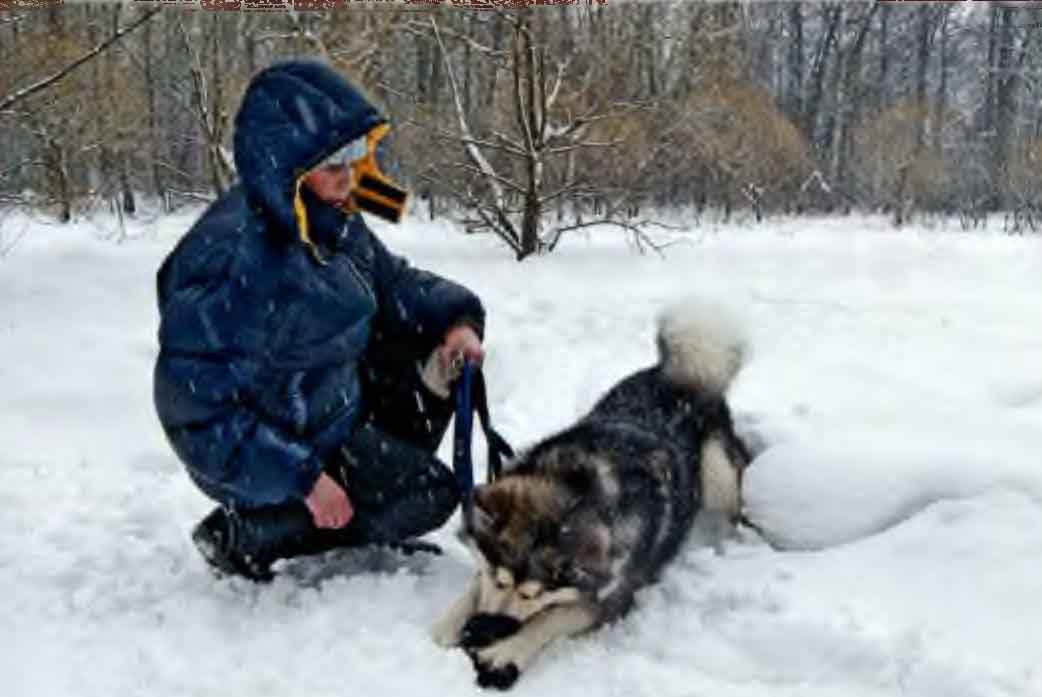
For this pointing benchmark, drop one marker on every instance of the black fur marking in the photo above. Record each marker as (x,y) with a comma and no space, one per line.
(484,628)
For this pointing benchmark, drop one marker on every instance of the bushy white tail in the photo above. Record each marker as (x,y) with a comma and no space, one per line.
(701,345)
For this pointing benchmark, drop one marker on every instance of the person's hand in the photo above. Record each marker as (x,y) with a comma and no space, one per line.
(328,503)
(461,340)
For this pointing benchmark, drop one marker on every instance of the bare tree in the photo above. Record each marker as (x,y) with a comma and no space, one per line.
(208,105)
(507,187)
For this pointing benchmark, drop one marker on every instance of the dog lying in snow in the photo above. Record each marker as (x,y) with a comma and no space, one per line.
(582,520)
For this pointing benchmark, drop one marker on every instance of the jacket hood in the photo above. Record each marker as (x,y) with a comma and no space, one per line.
(293,115)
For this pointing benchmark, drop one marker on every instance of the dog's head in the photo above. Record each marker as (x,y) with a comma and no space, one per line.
(534,545)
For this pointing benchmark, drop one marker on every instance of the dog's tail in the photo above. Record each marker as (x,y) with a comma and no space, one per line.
(701,345)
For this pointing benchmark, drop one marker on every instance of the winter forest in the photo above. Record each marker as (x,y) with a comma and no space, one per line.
(530,123)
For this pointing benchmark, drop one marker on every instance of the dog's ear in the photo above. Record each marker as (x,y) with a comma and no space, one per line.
(483,517)
(569,466)
(495,505)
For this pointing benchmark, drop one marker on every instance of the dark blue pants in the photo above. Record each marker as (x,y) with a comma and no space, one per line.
(388,467)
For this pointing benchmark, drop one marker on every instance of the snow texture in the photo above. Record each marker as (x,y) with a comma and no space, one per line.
(892,394)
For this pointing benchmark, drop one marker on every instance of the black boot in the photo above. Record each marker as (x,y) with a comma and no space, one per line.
(246,543)
(217,539)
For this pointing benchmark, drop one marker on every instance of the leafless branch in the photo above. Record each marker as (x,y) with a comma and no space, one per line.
(562,66)
(508,149)
(636,230)
(30,162)
(569,189)
(509,184)
(8,242)
(583,145)
(9,101)
(420,29)
(493,220)
(472,150)
(512,142)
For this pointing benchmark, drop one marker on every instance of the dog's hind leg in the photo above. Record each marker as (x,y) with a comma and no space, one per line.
(720,477)
(446,631)
(500,664)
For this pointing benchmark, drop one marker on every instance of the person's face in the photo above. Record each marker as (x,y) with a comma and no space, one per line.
(330,184)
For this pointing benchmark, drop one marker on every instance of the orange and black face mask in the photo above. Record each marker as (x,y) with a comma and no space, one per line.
(372,191)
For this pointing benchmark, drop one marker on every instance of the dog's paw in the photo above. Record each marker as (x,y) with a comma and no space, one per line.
(483,629)
(499,664)
(498,678)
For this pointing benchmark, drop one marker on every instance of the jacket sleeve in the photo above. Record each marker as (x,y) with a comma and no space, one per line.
(414,302)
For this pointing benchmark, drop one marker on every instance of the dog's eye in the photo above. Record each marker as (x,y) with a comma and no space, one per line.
(530,590)
(503,579)
(564,576)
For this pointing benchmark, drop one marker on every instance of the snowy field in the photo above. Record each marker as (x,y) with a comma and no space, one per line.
(895,391)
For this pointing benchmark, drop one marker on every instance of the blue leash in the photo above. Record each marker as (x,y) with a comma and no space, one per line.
(471,395)
(462,462)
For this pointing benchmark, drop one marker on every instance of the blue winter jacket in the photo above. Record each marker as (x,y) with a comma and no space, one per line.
(257,376)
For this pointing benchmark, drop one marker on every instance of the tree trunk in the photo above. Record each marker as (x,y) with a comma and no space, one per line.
(1005,93)
(126,191)
(154,125)
(884,56)
(525,93)
(990,74)
(423,68)
(832,16)
(849,105)
(796,62)
(467,65)
(60,171)
(921,65)
(942,87)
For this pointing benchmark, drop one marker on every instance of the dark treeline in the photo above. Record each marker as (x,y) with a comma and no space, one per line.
(534,121)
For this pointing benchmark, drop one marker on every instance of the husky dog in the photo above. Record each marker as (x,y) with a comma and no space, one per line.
(582,520)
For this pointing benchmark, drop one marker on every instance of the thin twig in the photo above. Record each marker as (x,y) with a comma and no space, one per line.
(46,82)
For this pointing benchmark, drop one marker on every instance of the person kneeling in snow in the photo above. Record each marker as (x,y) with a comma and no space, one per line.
(305,371)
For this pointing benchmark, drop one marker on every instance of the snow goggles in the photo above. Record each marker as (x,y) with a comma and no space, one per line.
(347,155)
(372,191)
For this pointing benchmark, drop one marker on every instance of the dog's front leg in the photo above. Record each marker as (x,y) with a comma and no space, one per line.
(500,663)
(446,631)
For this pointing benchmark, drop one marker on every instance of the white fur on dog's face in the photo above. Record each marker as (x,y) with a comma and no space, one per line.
(500,594)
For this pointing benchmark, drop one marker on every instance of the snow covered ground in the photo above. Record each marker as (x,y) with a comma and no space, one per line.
(895,386)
